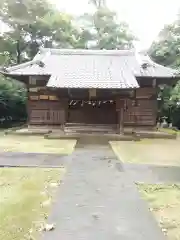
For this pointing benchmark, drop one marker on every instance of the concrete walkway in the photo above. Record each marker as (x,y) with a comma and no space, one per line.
(98,200)
(143,173)
(12,159)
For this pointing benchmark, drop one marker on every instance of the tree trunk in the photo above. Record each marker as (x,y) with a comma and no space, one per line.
(18,51)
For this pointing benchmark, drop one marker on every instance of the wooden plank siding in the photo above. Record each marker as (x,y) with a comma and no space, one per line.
(142,110)
(46,112)
(92,116)
(44,105)
(51,107)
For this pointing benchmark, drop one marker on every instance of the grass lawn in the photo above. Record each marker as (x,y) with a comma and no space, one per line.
(164,202)
(25,197)
(171,131)
(151,151)
(35,144)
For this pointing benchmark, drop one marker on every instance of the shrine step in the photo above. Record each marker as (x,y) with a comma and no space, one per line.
(89,128)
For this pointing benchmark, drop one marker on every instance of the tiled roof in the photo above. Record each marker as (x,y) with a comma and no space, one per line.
(93,71)
(92,68)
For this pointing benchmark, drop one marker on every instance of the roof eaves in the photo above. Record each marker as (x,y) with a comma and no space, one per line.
(20,66)
(157,72)
(158,77)
(3,72)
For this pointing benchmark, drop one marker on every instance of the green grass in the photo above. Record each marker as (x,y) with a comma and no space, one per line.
(150,151)
(170,131)
(164,202)
(35,144)
(22,192)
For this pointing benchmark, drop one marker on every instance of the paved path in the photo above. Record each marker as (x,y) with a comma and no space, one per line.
(142,173)
(98,200)
(33,160)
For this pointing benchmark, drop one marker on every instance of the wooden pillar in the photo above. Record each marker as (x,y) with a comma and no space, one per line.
(31,96)
(135,104)
(156,113)
(27,104)
(154,82)
(120,110)
(63,112)
(121,122)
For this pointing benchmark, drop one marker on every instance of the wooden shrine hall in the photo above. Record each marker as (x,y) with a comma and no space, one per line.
(96,87)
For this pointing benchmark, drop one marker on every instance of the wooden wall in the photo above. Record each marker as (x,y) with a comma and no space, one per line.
(45,107)
(51,107)
(142,110)
(45,112)
(104,113)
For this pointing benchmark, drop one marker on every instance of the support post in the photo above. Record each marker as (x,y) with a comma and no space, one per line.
(120,111)
(64,113)
(121,120)
(27,103)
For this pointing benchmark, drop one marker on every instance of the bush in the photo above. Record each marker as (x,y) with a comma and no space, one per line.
(13,97)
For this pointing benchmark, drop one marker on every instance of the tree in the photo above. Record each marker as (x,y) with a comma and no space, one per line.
(20,17)
(12,101)
(37,23)
(7,50)
(33,24)
(98,3)
(105,30)
(166,51)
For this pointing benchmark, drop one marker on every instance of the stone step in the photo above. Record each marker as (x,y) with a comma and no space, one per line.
(93,136)
(89,128)
(69,130)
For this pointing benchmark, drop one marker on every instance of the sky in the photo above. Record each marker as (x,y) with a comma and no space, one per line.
(145,17)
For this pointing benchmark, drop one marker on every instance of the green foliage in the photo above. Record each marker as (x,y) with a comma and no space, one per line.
(21,18)
(110,34)
(12,101)
(166,51)
(105,30)
(169,105)
(37,23)
(33,24)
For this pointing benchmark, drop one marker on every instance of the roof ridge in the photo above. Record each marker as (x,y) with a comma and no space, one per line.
(102,52)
